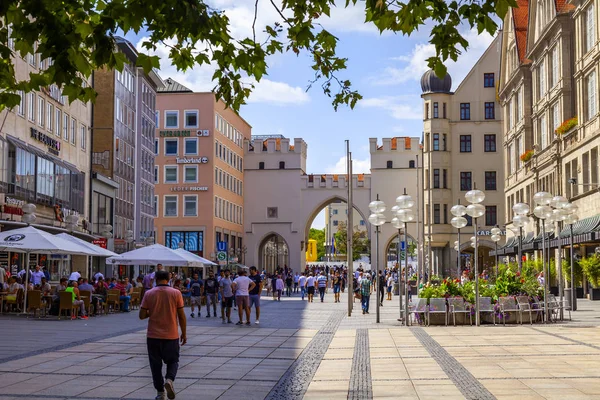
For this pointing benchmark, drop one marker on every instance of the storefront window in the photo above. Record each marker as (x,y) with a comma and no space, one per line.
(63,184)
(25,170)
(103,213)
(192,241)
(45,177)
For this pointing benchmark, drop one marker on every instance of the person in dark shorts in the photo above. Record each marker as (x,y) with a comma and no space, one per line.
(211,287)
(255,292)
(226,296)
(310,287)
(337,282)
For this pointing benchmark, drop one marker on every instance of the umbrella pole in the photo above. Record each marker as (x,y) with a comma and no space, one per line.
(26,285)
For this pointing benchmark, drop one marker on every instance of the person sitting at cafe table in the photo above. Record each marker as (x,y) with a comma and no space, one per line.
(37,275)
(77,301)
(45,287)
(85,285)
(121,285)
(13,288)
(101,288)
(61,286)
(113,283)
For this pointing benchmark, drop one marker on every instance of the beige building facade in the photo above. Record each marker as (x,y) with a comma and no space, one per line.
(462,151)
(198,172)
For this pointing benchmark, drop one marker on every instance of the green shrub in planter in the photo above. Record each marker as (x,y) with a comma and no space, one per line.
(591,267)
(566,267)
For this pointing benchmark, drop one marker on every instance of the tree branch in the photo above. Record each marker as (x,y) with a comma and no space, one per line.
(254,22)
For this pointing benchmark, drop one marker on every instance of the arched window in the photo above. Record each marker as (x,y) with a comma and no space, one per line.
(281,164)
(390,164)
(261,165)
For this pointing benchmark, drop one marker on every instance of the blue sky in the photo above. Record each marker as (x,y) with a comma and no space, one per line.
(385,69)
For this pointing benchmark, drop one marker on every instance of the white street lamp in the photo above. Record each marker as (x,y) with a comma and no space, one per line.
(520,220)
(476,210)
(496,232)
(545,215)
(458,221)
(377,219)
(405,215)
(570,220)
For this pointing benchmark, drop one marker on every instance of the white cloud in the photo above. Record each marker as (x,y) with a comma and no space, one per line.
(358,166)
(395,105)
(277,93)
(414,64)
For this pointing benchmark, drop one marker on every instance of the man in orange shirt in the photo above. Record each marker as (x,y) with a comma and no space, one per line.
(163,305)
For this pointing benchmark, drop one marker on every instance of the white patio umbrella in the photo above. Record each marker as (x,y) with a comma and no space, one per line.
(98,251)
(30,240)
(153,255)
(194,257)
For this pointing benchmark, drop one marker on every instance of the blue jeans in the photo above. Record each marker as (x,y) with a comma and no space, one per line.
(125,300)
(365,303)
(302,291)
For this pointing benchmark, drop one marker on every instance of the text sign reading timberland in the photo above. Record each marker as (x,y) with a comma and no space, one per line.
(192,160)
(175,133)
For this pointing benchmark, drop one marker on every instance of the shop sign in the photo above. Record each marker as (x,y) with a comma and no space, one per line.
(53,144)
(488,233)
(192,160)
(175,133)
(189,189)
(100,242)
(12,206)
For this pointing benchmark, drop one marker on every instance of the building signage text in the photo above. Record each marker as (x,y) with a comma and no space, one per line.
(189,189)
(488,233)
(52,144)
(175,133)
(192,160)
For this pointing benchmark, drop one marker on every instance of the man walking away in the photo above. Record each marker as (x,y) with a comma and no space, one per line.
(322,282)
(242,286)
(211,287)
(296,282)
(226,296)
(302,283)
(365,291)
(163,305)
(288,285)
(196,297)
(381,282)
(255,292)
(310,287)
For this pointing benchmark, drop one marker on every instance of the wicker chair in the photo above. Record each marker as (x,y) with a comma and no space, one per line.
(35,303)
(66,303)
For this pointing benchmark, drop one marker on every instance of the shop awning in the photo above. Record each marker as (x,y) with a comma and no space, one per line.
(49,228)
(41,153)
(586,230)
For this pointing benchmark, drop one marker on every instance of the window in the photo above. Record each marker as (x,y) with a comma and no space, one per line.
(436,142)
(191,173)
(171,147)
(82,137)
(31,107)
(594,164)
(171,174)
(261,165)
(490,110)
(190,206)
(66,120)
(427,110)
(445,179)
(155,206)
(57,122)
(543,132)
(170,206)
(411,163)
(436,110)
(445,213)
(511,159)
(491,215)
(156,147)
(489,143)
(436,214)
(542,78)
(156,174)
(156,118)
(41,108)
(465,181)
(436,178)
(444,110)
(465,143)
(490,180)
(21,106)
(281,164)
(519,104)
(389,164)
(554,67)
(488,79)
(191,146)
(335,222)
(465,111)
(73,130)
(590,28)
(362,222)
(590,86)
(191,119)
(444,142)
(49,116)
(172,119)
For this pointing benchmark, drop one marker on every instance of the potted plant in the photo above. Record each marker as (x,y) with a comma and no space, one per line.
(577,272)
(566,126)
(591,267)
(527,155)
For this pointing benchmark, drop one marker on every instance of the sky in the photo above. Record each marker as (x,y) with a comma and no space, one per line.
(385,69)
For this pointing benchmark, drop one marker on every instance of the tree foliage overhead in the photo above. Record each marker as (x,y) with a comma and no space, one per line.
(319,236)
(78,35)
(360,241)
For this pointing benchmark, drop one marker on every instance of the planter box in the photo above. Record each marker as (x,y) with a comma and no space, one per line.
(595,294)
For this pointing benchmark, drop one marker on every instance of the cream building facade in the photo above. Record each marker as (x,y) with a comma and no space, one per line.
(462,151)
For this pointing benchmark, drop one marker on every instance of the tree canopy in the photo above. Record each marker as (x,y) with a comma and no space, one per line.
(360,241)
(79,37)
(319,236)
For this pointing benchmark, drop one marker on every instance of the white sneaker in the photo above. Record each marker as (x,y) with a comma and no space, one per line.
(256,322)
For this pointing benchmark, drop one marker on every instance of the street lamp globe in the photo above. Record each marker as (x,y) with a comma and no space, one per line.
(542,198)
(476,210)
(406,215)
(458,210)
(495,238)
(394,209)
(521,209)
(570,208)
(559,201)
(475,196)
(496,231)
(519,221)
(404,201)
(571,219)
(396,222)
(377,219)
(542,212)
(559,214)
(473,238)
(459,222)
(377,206)
(455,243)
(28,208)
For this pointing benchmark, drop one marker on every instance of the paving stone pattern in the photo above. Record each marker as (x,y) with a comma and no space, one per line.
(361,387)
(574,341)
(294,383)
(469,386)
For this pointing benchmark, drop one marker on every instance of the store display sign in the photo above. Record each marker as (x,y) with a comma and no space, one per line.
(53,144)
(192,160)
(488,233)
(189,189)
(175,133)
(101,242)
(12,206)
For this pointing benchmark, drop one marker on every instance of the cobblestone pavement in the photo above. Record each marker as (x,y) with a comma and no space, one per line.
(315,349)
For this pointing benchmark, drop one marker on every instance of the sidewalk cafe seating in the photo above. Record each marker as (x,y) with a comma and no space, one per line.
(538,304)
(35,303)
(136,298)
(509,305)
(457,305)
(437,306)
(113,300)
(525,306)
(86,296)
(66,303)
(486,306)
(556,305)
(17,302)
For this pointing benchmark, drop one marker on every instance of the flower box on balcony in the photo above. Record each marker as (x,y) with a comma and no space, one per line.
(527,155)
(566,126)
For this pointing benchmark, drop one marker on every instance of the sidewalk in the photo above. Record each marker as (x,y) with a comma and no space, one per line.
(314,351)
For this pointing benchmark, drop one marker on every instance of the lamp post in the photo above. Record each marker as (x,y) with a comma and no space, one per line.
(496,232)
(558,203)
(519,221)
(543,212)
(458,221)
(475,209)
(29,218)
(404,215)
(571,219)
(377,219)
